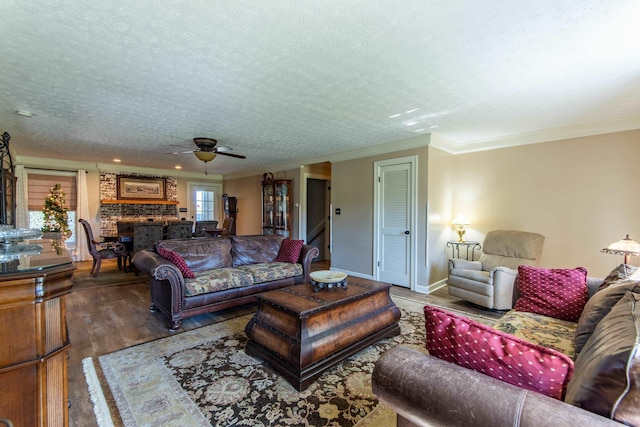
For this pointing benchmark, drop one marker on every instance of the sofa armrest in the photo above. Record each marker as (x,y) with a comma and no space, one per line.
(425,390)
(464,264)
(158,268)
(307,254)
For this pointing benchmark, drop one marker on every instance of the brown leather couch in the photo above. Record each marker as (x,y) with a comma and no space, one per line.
(424,390)
(220,257)
(427,391)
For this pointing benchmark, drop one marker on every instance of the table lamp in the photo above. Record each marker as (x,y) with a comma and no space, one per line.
(626,247)
(460,221)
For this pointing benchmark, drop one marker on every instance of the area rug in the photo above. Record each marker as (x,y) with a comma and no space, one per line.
(203,377)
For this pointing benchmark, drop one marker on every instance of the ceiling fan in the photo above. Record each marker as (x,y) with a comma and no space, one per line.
(208,149)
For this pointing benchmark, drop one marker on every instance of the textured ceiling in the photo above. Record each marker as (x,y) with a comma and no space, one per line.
(283,81)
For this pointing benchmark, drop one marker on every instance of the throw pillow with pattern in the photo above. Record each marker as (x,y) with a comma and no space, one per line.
(473,345)
(178,261)
(289,251)
(553,292)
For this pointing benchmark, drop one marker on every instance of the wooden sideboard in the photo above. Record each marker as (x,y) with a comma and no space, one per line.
(34,343)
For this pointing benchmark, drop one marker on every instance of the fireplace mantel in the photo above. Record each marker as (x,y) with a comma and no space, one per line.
(139,202)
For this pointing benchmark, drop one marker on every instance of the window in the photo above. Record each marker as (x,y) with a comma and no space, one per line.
(205,201)
(39,188)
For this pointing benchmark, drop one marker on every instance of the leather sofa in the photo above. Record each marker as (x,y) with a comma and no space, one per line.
(229,271)
(425,390)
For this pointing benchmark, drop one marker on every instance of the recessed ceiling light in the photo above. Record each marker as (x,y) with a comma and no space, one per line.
(178,167)
(24,113)
(117,160)
(412,110)
(411,123)
(433,127)
(394,116)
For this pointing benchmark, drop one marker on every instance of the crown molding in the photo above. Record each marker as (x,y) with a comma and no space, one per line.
(546,135)
(420,141)
(73,165)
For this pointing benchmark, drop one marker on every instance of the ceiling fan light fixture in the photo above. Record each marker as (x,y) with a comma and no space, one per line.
(205,156)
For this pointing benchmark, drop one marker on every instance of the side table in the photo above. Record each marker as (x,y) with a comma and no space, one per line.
(468,244)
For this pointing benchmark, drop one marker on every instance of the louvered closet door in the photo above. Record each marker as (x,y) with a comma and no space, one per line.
(395,219)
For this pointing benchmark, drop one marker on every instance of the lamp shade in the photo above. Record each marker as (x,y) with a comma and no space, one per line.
(626,247)
(205,156)
(460,220)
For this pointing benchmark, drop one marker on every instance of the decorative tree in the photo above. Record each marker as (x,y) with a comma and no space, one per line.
(55,212)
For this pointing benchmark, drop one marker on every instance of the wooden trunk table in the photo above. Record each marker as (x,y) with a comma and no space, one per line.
(301,333)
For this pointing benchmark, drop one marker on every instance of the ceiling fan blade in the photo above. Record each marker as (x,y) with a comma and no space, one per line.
(180,152)
(223,149)
(232,155)
(181,146)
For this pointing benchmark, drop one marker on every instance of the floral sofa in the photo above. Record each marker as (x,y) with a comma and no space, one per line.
(202,275)
(592,363)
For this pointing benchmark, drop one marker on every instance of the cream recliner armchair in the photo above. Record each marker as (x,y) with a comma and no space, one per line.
(489,282)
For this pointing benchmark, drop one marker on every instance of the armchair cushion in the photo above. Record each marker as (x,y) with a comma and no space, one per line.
(463,264)
(477,275)
(494,353)
(558,293)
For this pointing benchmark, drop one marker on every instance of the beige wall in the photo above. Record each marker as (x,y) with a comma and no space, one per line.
(352,191)
(580,193)
(441,167)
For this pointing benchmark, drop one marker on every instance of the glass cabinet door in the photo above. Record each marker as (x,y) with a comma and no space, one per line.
(276,206)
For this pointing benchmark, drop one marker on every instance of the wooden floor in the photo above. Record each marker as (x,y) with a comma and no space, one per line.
(104,317)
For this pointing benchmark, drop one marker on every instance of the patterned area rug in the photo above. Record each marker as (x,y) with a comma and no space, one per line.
(203,377)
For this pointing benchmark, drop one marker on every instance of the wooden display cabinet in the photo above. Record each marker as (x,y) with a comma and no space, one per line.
(34,343)
(276,205)
(231,211)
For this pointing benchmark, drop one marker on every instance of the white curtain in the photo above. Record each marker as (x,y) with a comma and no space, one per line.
(82,211)
(22,200)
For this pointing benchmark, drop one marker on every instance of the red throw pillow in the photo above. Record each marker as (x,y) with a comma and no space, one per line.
(290,251)
(558,293)
(178,261)
(486,350)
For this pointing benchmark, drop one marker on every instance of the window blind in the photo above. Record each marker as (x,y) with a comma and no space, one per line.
(40,187)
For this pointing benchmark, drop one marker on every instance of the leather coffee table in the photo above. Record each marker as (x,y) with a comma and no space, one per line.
(301,333)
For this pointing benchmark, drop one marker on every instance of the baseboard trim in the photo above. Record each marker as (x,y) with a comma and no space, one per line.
(353,273)
(436,285)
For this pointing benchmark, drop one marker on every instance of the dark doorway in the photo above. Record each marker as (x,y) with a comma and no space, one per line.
(317,211)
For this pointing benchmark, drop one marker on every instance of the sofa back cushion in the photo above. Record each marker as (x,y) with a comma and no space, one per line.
(254,249)
(598,306)
(607,370)
(202,253)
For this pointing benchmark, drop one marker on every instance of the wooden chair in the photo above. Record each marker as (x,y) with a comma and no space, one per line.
(101,250)
(226,226)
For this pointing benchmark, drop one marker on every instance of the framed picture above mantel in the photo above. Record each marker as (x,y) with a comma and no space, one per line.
(141,188)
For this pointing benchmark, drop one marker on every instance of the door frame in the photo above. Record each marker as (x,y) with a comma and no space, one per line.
(413,241)
(302,212)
